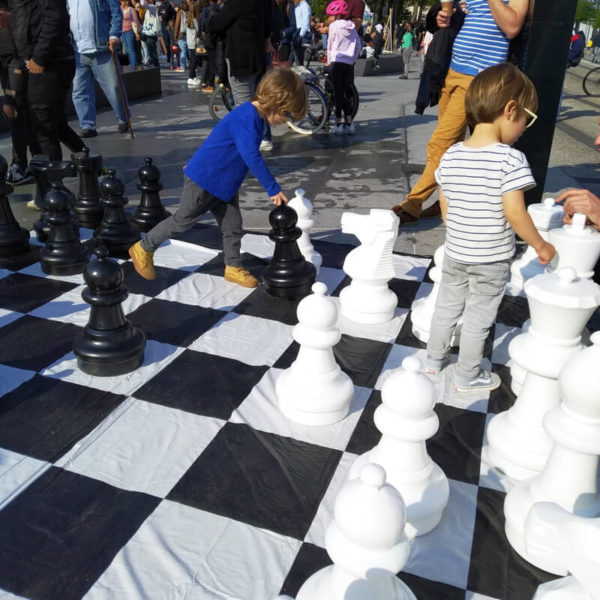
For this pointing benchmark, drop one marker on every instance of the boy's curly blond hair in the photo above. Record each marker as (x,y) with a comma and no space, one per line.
(282,91)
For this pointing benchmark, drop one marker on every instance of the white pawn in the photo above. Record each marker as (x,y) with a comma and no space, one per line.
(422,309)
(571,542)
(368,298)
(366,543)
(304,210)
(314,390)
(406,419)
(570,476)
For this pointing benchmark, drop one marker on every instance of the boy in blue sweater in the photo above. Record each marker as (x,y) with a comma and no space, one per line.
(214,174)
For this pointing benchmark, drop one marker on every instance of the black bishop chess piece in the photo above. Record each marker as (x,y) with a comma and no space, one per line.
(115,231)
(88,208)
(150,210)
(63,253)
(109,345)
(288,275)
(14,239)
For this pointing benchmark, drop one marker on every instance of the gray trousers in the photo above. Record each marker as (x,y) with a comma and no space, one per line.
(242,87)
(406,56)
(195,202)
(475,292)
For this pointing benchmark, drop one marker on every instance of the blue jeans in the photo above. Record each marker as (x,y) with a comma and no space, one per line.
(183,55)
(129,43)
(101,68)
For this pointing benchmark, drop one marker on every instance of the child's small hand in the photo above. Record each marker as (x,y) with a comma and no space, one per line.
(279,199)
(545,253)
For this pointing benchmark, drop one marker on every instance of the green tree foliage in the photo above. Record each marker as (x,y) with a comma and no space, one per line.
(587,11)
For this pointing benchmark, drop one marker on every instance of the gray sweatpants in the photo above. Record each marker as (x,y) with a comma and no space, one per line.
(195,202)
(475,291)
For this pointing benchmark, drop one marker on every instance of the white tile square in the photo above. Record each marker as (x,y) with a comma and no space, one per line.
(183,256)
(410,267)
(181,552)
(11,378)
(503,335)
(69,307)
(258,245)
(17,471)
(36,270)
(475,596)
(8,316)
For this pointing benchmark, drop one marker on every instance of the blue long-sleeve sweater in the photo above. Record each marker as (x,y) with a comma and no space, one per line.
(222,162)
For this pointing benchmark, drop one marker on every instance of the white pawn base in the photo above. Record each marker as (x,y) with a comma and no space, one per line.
(566,588)
(369,303)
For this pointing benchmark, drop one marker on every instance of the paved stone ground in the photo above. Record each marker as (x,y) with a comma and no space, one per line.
(375,168)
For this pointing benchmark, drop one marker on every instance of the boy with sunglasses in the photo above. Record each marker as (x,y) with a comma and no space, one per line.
(482,182)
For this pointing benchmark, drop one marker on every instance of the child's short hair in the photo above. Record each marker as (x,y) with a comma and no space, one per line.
(494,88)
(282,91)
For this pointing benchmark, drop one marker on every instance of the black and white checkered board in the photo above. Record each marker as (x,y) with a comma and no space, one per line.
(182,480)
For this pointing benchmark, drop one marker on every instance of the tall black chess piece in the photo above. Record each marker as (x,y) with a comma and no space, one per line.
(63,253)
(14,239)
(115,231)
(150,210)
(288,275)
(88,208)
(109,345)
(44,172)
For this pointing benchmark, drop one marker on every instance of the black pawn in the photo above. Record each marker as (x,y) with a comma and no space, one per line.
(109,345)
(63,253)
(14,239)
(115,231)
(288,275)
(150,210)
(88,208)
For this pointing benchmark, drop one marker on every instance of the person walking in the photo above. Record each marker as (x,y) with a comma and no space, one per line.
(407,49)
(151,32)
(130,31)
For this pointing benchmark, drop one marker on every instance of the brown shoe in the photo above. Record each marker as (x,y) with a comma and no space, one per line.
(405,218)
(240,276)
(143,261)
(433,212)
(208,89)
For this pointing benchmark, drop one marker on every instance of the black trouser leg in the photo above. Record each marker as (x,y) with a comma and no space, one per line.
(341,76)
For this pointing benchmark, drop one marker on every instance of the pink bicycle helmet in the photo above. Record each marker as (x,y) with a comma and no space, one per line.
(337,7)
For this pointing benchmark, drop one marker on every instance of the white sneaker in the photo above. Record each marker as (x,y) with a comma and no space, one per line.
(266,146)
(194,82)
(350,129)
(338,130)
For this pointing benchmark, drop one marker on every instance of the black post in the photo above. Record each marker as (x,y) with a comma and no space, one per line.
(542,55)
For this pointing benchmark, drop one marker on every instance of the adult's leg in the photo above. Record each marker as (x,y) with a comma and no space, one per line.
(348,72)
(210,59)
(183,58)
(406,55)
(193,65)
(84,94)
(145,53)
(243,87)
(337,78)
(106,76)
(229,218)
(129,43)
(151,42)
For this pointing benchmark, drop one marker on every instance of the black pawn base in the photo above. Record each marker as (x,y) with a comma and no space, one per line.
(14,239)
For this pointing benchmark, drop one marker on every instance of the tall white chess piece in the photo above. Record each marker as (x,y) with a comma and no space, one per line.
(368,298)
(560,305)
(314,390)
(303,207)
(570,476)
(406,420)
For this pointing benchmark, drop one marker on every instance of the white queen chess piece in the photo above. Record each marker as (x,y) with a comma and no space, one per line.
(560,305)
(303,207)
(406,419)
(368,298)
(314,390)
(570,476)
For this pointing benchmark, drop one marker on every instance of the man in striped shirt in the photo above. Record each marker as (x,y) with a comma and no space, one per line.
(482,42)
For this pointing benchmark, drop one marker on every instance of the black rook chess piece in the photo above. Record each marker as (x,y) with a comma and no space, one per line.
(63,253)
(109,345)
(150,210)
(288,275)
(14,239)
(88,207)
(115,231)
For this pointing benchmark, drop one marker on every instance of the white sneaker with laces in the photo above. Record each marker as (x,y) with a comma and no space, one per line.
(266,146)
(350,129)
(338,130)
(193,82)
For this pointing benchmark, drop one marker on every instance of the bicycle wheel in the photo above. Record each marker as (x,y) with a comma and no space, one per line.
(352,99)
(221,102)
(316,114)
(591,82)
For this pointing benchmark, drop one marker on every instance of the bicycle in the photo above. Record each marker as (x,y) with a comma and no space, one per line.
(591,82)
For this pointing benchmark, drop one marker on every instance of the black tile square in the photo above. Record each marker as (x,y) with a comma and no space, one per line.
(23,293)
(343,283)
(309,560)
(365,435)
(45,417)
(361,359)
(165,278)
(33,344)
(261,304)
(406,337)
(203,384)
(61,533)
(259,478)
(496,569)
(174,323)
(333,254)
(513,311)
(405,290)
(502,398)
(425,589)
(216,266)
(288,357)
(16,263)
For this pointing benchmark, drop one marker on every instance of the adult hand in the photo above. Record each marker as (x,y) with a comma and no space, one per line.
(581,201)
(34,67)
(442,19)
(113,44)
(545,253)
(279,199)
(9,111)
(4,19)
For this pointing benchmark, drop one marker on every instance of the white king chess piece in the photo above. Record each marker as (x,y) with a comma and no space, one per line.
(406,419)
(368,298)
(314,390)
(301,204)
(570,476)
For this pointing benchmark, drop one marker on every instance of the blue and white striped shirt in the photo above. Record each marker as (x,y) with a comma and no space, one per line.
(480,43)
(473,181)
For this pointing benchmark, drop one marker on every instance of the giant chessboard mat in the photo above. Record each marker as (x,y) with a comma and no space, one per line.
(182,480)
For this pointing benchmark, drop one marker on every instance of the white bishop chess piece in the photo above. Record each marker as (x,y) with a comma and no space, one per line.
(406,419)
(560,305)
(572,543)
(368,298)
(366,543)
(314,390)
(570,476)
(303,207)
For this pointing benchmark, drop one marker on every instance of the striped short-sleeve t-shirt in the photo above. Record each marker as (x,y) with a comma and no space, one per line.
(480,43)
(473,181)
